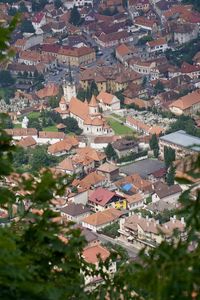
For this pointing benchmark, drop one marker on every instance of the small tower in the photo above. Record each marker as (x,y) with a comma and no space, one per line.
(69,87)
(93,106)
(63,104)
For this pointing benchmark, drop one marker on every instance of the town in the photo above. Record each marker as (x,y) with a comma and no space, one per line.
(106,93)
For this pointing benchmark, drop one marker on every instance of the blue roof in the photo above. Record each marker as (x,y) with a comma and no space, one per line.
(127,187)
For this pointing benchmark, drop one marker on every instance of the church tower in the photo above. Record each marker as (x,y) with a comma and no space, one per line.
(69,88)
(93,106)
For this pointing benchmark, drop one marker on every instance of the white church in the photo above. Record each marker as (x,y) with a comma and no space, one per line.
(89,119)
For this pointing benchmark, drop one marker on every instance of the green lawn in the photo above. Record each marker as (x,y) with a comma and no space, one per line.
(34,114)
(50,128)
(17,126)
(119,128)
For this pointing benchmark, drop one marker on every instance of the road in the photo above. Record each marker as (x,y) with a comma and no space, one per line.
(132,251)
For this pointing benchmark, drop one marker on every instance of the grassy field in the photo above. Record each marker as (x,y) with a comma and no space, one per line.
(33,115)
(119,128)
(50,128)
(17,126)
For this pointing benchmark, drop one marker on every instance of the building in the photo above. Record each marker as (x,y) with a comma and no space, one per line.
(110,171)
(123,53)
(143,128)
(157,46)
(184,33)
(101,219)
(187,105)
(89,119)
(184,144)
(102,199)
(169,194)
(92,255)
(124,147)
(135,201)
(79,3)
(108,101)
(74,212)
(63,147)
(145,232)
(38,20)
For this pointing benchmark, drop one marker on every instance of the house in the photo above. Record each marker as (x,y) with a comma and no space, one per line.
(98,157)
(144,232)
(101,199)
(184,144)
(187,105)
(113,39)
(90,237)
(76,165)
(135,201)
(161,206)
(101,142)
(21,133)
(64,146)
(110,171)
(108,101)
(91,181)
(184,33)
(158,175)
(143,128)
(123,53)
(139,5)
(145,68)
(50,90)
(92,255)
(169,194)
(101,219)
(150,25)
(27,142)
(124,147)
(39,20)
(157,46)
(74,212)
(50,137)
(134,184)
(78,197)
(193,71)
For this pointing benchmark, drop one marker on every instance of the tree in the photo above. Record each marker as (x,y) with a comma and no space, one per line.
(27,26)
(38,5)
(75,17)
(111,230)
(72,125)
(12,11)
(110,152)
(159,88)
(8,122)
(81,94)
(57,4)
(120,96)
(93,88)
(170,176)
(35,123)
(53,102)
(154,145)
(6,78)
(39,158)
(143,40)
(169,156)
(22,7)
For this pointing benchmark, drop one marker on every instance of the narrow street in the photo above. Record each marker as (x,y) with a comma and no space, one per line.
(132,251)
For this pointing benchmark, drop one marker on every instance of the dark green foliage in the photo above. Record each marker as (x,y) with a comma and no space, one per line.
(143,40)
(111,230)
(169,156)
(38,5)
(131,156)
(6,78)
(7,122)
(110,152)
(185,123)
(159,88)
(12,11)
(57,4)
(26,26)
(154,145)
(40,158)
(120,96)
(72,126)
(81,95)
(75,17)
(35,123)
(93,88)
(170,176)
(110,12)
(195,3)
(54,102)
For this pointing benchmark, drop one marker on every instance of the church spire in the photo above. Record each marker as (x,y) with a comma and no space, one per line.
(70,74)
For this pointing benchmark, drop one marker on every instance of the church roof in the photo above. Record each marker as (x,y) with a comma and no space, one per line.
(93,102)
(97,122)
(79,108)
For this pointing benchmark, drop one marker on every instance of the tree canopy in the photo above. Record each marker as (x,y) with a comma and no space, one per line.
(110,152)
(6,78)
(75,17)
(27,26)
